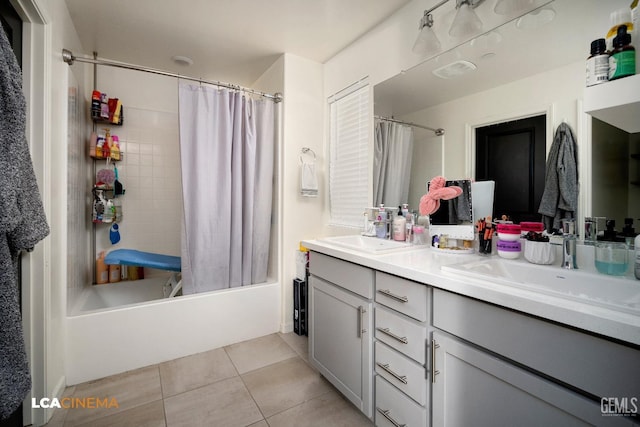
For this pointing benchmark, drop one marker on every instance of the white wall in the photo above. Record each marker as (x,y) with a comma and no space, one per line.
(302,217)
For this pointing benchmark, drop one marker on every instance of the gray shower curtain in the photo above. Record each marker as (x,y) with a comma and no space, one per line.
(393,150)
(227,151)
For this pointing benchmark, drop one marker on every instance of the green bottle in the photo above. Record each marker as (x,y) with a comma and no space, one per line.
(622,61)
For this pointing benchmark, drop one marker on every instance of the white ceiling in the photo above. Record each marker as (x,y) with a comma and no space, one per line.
(233,41)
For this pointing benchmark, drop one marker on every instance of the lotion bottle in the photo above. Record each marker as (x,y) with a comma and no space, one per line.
(399,226)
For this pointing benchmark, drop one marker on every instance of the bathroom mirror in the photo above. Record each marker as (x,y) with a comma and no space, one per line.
(454,217)
(547,47)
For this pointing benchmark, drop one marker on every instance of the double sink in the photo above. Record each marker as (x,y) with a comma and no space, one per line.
(617,293)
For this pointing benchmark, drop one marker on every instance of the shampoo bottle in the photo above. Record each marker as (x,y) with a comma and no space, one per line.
(399,226)
(381,223)
(102,272)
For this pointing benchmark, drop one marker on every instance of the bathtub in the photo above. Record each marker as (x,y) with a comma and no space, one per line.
(118,327)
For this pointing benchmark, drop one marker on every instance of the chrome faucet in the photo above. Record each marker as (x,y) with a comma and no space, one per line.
(569,252)
(569,244)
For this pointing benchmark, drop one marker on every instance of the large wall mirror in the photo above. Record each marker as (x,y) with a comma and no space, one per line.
(528,67)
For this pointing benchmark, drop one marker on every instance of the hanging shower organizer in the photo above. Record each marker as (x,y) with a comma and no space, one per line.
(105,113)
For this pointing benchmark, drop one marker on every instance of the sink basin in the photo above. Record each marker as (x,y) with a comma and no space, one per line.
(618,293)
(367,244)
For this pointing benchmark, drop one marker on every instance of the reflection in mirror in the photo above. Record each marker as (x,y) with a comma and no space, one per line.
(529,66)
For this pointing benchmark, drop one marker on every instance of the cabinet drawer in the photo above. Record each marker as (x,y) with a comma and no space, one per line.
(405,335)
(402,372)
(352,277)
(403,295)
(592,364)
(395,409)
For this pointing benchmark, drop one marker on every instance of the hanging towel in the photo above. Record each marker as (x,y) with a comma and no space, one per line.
(560,196)
(22,225)
(309,180)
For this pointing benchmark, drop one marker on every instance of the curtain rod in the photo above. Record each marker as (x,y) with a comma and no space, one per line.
(69,58)
(438,132)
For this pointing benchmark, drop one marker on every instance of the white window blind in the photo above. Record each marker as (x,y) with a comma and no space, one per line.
(349,165)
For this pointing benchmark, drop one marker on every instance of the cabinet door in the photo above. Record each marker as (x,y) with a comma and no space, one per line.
(475,388)
(340,341)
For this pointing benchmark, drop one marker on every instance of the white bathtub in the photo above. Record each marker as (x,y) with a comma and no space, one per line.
(118,327)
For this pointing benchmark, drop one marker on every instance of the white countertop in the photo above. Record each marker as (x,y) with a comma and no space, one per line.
(423,265)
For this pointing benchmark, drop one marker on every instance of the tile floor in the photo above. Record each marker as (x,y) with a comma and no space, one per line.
(259,383)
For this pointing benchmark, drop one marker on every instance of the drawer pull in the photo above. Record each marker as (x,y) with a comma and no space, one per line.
(385,367)
(388,293)
(386,331)
(361,312)
(385,413)
(434,371)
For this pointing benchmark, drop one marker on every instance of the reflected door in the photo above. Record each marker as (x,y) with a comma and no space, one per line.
(513,155)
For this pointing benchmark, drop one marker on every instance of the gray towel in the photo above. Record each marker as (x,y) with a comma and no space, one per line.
(22,225)
(560,197)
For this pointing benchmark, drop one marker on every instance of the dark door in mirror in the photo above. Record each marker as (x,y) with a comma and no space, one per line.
(513,154)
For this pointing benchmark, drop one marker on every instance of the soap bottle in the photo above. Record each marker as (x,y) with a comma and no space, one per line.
(622,61)
(102,272)
(381,223)
(107,217)
(108,142)
(399,226)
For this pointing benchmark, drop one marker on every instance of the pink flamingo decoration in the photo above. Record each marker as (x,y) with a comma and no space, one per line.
(430,202)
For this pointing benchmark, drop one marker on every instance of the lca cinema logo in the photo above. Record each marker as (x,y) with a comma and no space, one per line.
(75,402)
(619,406)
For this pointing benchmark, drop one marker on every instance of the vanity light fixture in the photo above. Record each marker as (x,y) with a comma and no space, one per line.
(466,22)
(427,41)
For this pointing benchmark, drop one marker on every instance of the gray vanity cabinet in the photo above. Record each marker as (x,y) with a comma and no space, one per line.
(340,327)
(495,377)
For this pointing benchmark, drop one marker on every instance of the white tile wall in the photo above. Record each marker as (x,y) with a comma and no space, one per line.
(150,174)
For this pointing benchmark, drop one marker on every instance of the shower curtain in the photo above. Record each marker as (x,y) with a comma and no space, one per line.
(227,151)
(393,148)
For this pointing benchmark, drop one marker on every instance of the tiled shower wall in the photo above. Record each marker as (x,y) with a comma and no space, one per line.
(150,169)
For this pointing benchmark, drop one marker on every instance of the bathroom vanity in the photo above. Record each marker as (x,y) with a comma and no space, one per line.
(412,343)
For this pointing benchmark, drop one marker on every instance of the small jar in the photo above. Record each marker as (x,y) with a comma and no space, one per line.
(508,232)
(539,252)
(509,249)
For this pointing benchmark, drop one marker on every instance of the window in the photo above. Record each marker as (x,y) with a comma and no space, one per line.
(349,172)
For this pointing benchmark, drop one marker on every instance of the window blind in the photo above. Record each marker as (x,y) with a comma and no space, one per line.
(349,153)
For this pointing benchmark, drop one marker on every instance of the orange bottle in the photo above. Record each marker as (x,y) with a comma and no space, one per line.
(102,272)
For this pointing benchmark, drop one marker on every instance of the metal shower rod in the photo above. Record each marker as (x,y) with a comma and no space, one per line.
(69,58)
(438,132)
